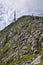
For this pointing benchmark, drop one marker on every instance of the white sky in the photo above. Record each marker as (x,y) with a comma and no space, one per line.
(22,7)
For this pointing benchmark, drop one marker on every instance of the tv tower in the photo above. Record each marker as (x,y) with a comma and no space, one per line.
(14,15)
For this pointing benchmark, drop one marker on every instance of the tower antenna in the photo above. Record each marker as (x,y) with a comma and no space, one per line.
(14,15)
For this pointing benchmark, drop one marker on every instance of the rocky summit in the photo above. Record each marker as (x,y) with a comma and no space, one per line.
(21,42)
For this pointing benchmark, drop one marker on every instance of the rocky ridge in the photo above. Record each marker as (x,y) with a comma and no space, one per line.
(22,41)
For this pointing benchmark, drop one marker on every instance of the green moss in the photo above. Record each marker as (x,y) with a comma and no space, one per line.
(25,58)
(1,50)
(27,23)
(16,44)
(17,27)
(41,51)
(11,63)
(41,63)
(1,36)
(4,48)
(28,57)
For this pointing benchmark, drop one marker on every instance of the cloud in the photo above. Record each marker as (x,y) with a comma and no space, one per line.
(22,7)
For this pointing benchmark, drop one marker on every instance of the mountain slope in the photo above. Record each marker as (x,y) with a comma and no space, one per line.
(22,41)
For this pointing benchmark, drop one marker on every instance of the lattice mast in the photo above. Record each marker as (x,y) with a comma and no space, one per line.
(14,15)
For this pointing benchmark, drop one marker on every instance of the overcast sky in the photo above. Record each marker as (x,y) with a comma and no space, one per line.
(22,7)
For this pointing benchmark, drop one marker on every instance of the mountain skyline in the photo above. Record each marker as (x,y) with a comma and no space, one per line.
(22,7)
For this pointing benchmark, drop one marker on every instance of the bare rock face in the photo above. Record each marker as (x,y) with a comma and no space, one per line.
(21,41)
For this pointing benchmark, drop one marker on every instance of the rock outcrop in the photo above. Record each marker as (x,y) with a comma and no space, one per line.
(22,41)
